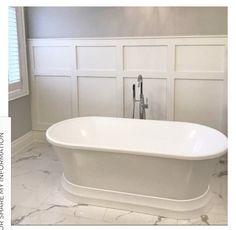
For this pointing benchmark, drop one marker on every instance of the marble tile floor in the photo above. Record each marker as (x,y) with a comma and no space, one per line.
(37,200)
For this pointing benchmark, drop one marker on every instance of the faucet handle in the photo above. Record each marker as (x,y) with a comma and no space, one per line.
(134,92)
(146,104)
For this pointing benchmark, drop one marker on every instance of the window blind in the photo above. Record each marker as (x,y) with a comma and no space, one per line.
(13,48)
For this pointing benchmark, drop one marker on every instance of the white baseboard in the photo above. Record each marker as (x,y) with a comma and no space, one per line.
(39,136)
(27,141)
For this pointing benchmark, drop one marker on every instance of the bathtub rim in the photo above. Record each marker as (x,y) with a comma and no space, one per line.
(64,145)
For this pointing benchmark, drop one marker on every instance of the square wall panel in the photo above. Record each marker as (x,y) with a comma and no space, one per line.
(53,99)
(200,58)
(91,58)
(153,89)
(145,58)
(97,96)
(199,101)
(51,57)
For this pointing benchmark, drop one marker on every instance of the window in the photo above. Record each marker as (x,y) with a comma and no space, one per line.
(17,62)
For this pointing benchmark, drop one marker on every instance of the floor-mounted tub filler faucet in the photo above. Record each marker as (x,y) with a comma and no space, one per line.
(142,105)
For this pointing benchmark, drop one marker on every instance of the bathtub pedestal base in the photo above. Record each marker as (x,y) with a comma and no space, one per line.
(139,203)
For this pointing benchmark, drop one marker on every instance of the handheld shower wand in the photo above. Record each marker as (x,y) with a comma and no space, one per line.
(134,100)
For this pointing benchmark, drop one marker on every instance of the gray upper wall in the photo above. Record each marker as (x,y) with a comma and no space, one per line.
(19,111)
(51,22)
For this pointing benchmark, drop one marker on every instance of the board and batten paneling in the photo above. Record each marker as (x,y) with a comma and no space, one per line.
(145,58)
(185,78)
(96,58)
(200,58)
(199,101)
(52,100)
(51,84)
(50,60)
(97,96)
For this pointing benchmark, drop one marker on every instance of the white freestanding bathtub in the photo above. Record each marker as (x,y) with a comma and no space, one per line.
(155,167)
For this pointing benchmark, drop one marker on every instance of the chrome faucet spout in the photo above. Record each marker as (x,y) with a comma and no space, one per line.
(140,83)
(140,79)
(142,104)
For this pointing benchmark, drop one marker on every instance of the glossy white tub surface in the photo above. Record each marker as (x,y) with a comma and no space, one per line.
(156,167)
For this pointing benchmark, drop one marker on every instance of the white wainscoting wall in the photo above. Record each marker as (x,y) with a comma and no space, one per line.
(185,78)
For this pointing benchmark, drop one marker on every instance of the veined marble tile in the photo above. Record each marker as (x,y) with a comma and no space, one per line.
(199,221)
(166,221)
(72,220)
(224,191)
(38,162)
(68,209)
(48,216)
(217,219)
(215,185)
(127,217)
(184,222)
(19,194)
(32,179)
(221,167)
(23,195)
(219,188)
(89,211)
(56,196)
(217,215)
(87,221)
(18,213)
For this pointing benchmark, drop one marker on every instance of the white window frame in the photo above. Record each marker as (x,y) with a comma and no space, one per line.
(20,89)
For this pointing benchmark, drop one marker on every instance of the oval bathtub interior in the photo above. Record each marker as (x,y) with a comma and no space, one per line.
(179,140)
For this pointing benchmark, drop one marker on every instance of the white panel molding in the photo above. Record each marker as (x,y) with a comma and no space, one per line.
(74,81)
(112,65)
(39,136)
(22,143)
(119,96)
(147,74)
(27,141)
(208,76)
(193,58)
(97,96)
(74,96)
(150,58)
(96,73)
(38,107)
(32,82)
(53,72)
(120,81)
(86,39)
(96,58)
(194,98)
(170,82)
(49,55)
(201,40)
